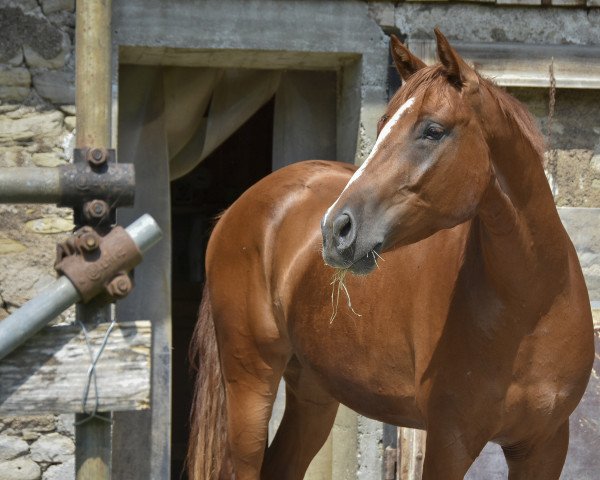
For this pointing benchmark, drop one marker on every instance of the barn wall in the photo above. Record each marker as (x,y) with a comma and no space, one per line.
(36,129)
(37,97)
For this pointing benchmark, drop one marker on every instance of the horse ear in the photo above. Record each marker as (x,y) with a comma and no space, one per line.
(406,62)
(459,72)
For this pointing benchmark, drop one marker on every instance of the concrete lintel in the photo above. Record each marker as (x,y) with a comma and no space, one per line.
(227,58)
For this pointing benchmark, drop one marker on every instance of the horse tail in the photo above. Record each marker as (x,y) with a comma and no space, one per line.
(207,451)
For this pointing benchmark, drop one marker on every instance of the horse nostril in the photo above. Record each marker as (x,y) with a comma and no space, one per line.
(342,229)
(346,229)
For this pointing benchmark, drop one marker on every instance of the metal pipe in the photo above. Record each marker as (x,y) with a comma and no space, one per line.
(93,65)
(30,185)
(60,295)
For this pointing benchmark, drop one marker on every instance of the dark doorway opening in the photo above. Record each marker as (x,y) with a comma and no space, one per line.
(196,200)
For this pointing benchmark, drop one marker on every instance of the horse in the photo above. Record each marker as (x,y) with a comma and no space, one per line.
(433,288)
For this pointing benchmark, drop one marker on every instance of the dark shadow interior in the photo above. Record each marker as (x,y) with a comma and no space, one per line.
(196,200)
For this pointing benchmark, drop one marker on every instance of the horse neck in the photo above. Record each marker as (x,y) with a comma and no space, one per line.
(521,238)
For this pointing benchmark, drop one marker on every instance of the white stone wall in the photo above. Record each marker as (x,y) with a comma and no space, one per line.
(37,120)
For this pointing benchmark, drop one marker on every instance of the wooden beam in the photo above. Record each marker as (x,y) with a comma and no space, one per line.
(48,373)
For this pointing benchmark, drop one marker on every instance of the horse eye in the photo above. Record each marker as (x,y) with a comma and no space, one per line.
(434,132)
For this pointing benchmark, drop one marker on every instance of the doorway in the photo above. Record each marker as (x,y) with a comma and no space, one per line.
(196,200)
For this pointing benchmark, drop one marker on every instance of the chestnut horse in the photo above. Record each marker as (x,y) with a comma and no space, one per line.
(476,326)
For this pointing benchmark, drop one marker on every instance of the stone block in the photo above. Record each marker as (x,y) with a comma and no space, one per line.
(55,86)
(64,471)
(17,59)
(24,5)
(20,469)
(8,246)
(15,77)
(25,126)
(65,424)
(16,94)
(48,159)
(68,109)
(70,123)
(49,225)
(52,448)
(14,83)
(34,59)
(11,447)
(39,423)
(51,6)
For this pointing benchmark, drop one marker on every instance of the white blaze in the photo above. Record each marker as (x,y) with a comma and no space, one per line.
(382,136)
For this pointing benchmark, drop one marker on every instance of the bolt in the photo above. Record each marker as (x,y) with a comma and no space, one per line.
(97,156)
(97,209)
(120,286)
(89,242)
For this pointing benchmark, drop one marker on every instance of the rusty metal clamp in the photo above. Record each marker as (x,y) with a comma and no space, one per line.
(95,264)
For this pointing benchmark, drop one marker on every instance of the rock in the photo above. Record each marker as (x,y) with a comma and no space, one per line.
(20,469)
(30,126)
(38,423)
(17,94)
(70,123)
(595,162)
(68,109)
(64,471)
(17,77)
(30,435)
(12,447)
(48,159)
(17,59)
(7,246)
(14,83)
(49,225)
(18,28)
(34,59)
(52,448)
(25,5)
(65,423)
(51,6)
(56,86)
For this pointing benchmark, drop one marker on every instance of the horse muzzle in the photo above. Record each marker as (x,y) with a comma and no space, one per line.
(342,247)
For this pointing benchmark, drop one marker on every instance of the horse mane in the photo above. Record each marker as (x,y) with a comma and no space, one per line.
(512,109)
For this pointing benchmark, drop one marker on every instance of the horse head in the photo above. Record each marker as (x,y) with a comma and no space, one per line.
(428,170)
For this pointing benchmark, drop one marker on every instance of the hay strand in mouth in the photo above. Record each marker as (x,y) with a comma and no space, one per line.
(338,284)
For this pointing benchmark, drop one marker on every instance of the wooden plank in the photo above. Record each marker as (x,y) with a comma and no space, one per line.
(411,444)
(525,65)
(48,373)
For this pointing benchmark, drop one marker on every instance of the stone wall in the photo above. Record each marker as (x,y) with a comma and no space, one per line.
(37,96)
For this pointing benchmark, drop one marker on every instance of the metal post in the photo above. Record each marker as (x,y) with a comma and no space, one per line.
(93,102)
